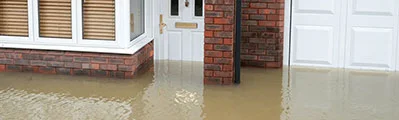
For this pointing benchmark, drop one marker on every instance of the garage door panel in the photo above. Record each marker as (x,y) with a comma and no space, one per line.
(317,6)
(315,32)
(383,22)
(374,7)
(372,13)
(371,34)
(371,47)
(313,45)
(358,34)
(315,19)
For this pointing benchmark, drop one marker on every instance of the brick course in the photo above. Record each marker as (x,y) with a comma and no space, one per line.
(262,33)
(219,37)
(76,63)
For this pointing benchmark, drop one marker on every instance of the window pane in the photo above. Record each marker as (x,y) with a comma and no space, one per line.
(55,18)
(14,17)
(198,7)
(137,23)
(174,7)
(99,19)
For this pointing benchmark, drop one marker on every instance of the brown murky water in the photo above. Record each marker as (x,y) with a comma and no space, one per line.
(175,91)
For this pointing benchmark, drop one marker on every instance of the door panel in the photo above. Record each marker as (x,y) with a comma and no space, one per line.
(326,7)
(175,51)
(323,39)
(315,32)
(186,42)
(187,46)
(378,55)
(198,45)
(372,34)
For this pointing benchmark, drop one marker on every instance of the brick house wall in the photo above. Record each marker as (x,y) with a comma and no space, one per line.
(261,42)
(262,45)
(219,41)
(76,63)
(262,33)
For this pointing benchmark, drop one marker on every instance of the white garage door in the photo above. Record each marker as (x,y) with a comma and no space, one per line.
(360,34)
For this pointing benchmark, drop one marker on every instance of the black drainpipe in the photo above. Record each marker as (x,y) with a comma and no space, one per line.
(237,45)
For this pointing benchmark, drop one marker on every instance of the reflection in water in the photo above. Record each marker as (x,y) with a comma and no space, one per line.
(337,94)
(175,91)
(19,104)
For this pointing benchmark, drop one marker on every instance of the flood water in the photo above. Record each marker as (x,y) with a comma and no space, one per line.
(175,91)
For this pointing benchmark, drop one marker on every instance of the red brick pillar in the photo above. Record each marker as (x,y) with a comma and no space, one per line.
(219,41)
(262,33)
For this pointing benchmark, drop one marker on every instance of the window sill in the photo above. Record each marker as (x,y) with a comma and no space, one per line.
(130,50)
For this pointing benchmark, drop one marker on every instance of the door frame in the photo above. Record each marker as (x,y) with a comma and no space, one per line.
(287,32)
(158,44)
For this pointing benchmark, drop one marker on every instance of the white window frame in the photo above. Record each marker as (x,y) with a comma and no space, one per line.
(48,40)
(119,35)
(148,35)
(121,45)
(203,10)
(17,39)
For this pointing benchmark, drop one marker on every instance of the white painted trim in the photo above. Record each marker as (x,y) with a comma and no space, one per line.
(193,10)
(397,57)
(136,47)
(131,50)
(342,33)
(122,19)
(287,33)
(120,38)
(5,39)
(31,21)
(36,27)
(159,53)
(169,13)
(136,40)
(149,30)
(24,42)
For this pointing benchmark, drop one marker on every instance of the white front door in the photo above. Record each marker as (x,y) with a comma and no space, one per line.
(183,36)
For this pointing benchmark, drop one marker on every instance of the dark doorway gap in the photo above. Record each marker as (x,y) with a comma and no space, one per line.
(237,45)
